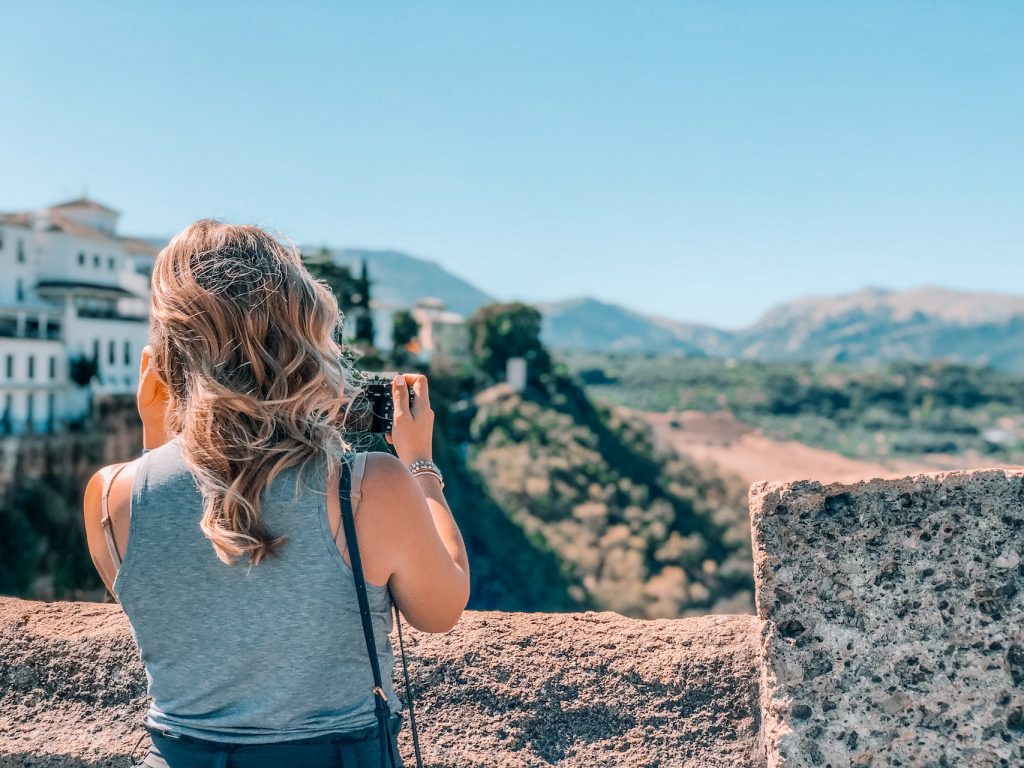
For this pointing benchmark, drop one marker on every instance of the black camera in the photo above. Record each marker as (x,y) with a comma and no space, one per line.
(373,409)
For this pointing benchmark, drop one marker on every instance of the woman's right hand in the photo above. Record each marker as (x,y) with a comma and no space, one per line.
(412,430)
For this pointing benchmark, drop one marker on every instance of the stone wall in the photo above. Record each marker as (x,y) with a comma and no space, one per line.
(501,689)
(893,620)
(890,632)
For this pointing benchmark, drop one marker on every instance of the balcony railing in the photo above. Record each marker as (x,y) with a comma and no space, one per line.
(105,313)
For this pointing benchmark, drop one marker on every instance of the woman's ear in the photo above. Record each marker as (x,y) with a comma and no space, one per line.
(147,356)
(153,393)
(149,382)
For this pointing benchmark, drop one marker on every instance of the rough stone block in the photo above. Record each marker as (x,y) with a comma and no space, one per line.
(892,615)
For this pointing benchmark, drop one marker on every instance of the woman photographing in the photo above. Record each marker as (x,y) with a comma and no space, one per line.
(225,542)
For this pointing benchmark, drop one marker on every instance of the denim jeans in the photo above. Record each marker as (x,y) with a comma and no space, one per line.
(353,749)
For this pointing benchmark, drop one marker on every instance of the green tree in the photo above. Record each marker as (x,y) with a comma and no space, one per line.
(364,319)
(404,329)
(501,331)
(83,369)
(353,295)
(338,277)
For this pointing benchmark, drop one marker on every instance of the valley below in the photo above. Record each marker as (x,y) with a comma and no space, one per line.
(725,445)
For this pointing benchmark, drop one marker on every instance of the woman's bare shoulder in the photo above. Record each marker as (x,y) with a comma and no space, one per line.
(388,485)
(382,467)
(119,478)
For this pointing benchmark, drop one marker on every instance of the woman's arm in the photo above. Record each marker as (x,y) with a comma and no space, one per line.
(429,565)
(120,483)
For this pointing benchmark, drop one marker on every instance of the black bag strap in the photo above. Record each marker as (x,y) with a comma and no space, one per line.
(381,708)
(408,687)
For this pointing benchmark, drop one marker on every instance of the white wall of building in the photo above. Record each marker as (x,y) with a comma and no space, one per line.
(89,260)
(119,344)
(17,272)
(34,373)
(67,289)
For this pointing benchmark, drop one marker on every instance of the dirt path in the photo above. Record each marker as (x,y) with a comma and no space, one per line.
(737,448)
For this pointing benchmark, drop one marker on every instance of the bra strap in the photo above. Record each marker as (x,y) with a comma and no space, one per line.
(108,481)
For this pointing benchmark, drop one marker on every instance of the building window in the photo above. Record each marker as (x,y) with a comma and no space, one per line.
(10,367)
(110,263)
(30,409)
(51,411)
(19,290)
(53,367)
(21,251)
(81,258)
(96,260)
(96,350)
(111,352)
(127,353)
(31,366)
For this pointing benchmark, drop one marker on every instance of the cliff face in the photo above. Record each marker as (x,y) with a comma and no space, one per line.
(893,620)
(513,689)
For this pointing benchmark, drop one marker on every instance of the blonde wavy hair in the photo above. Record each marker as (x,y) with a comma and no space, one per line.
(247,341)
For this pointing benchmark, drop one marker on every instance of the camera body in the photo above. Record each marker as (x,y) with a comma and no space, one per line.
(373,409)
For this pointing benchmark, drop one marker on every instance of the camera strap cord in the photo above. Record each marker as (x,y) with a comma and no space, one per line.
(381,708)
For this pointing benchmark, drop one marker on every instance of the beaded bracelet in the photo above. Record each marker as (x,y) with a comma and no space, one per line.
(426,467)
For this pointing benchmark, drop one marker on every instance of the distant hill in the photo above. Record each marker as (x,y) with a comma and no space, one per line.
(873,325)
(876,325)
(400,279)
(586,323)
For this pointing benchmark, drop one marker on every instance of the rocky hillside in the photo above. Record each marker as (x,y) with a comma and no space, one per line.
(633,529)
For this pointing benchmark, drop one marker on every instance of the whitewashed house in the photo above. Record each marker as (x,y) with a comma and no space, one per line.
(71,290)
(443,335)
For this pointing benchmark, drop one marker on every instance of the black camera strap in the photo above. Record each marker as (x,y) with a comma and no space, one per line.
(381,708)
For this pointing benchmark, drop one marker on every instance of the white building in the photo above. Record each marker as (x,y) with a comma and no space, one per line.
(73,292)
(443,335)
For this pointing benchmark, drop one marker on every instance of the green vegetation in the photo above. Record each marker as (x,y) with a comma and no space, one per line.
(902,409)
(499,332)
(42,540)
(636,531)
(404,329)
(631,528)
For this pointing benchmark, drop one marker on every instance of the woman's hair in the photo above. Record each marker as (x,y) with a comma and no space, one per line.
(247,341)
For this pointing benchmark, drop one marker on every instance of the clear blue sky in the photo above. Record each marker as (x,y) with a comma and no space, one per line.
(702,161)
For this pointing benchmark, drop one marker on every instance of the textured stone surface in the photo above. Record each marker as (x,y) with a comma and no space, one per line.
(892,620)
(502,689)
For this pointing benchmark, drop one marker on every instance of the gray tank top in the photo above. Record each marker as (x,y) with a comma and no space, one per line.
(241,653)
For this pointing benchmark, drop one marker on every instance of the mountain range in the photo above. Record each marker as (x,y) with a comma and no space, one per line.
(873,325)
(869,326)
